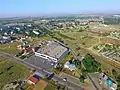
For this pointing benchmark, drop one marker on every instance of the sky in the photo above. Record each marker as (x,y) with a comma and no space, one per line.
(49,7)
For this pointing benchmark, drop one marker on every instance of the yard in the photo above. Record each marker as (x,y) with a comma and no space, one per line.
(10,71)
(40,85)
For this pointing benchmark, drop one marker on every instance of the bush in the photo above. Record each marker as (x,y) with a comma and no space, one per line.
(77,63)
(23,57)
(82,78)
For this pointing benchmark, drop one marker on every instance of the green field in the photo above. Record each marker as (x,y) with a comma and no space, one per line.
(10,48)
(79,38)
(10,71)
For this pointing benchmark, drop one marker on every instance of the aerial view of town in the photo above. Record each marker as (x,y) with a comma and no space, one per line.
(60,45)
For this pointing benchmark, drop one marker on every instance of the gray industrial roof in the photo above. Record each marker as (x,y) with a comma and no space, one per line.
(53,49)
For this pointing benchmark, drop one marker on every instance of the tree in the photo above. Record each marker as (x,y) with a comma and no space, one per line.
(118,81)
(87,28)
(82,78)
(83,43)
(90,64)
(78,54)
(77,63)
(114,73)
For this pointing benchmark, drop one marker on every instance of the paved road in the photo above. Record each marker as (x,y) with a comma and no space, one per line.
(70,78)
(43,72)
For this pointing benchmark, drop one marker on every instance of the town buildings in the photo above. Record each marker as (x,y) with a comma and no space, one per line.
(4,39)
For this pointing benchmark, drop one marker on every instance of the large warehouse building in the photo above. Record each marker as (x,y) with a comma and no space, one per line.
(52,51)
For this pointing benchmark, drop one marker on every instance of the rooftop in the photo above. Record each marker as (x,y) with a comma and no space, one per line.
(53,49)
(33,80)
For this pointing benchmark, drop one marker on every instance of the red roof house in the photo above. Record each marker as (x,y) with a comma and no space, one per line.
(32,80)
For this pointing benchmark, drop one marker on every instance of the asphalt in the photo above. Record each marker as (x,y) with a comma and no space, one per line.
(42,71)
(40,62)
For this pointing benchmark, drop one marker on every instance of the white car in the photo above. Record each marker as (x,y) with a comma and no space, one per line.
(65,79)
(52,64)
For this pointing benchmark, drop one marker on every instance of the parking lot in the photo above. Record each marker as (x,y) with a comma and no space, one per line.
(40,62)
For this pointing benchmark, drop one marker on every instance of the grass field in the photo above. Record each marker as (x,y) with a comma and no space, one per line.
(80,38)
(10,48)
(10,71)
(38,40)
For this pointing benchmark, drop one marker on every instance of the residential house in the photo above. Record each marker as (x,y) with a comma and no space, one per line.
(32,80)
(35,78)
(29,49)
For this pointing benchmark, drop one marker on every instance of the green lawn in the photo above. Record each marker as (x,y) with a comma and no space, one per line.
(10,71)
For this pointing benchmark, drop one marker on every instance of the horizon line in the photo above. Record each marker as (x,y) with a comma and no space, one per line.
(60,14)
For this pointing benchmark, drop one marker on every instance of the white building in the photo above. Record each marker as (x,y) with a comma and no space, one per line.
(69,66)
(35,32)
(52,51)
